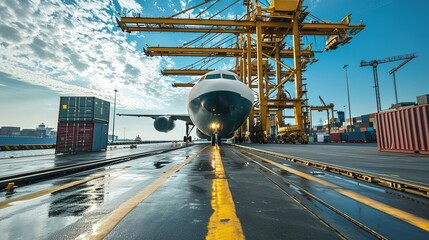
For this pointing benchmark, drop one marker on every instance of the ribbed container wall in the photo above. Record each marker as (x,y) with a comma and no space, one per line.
(83,124)
(100,136)
(404,130)
(83,109)
(73,137)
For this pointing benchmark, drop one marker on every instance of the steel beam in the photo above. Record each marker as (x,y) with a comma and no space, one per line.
(216,52)
(131,24)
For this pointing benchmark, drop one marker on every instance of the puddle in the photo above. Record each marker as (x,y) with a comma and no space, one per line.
(160,164)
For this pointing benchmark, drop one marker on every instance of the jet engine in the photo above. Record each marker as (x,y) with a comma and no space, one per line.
(164,124)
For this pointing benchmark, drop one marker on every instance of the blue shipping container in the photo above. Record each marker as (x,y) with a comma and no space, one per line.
(83,109)
(100,136)
(365,118)
(361,137)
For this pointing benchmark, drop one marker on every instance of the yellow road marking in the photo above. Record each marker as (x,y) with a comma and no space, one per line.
(402,215)
(31,196)
(224,223)
(105,225)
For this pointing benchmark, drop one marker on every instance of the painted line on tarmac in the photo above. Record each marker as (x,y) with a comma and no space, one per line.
(31,196)
(105,225)
(397,213)
(224,223)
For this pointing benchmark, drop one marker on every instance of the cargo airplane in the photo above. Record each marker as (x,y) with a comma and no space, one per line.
(217,105)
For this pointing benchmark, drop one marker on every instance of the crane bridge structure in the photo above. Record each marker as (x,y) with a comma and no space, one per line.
(269,54)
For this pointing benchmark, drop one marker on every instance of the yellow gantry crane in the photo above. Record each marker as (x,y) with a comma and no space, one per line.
(260,50)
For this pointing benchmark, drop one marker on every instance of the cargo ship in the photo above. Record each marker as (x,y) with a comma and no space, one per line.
(41,135)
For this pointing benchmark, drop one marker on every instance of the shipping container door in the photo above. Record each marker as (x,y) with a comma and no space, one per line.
(84,137)
(101,110)
(65,138)
(100,136)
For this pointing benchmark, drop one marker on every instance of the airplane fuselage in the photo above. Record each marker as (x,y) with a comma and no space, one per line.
(219,104)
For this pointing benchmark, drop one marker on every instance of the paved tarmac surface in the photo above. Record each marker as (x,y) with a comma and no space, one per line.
(205,192)
(33,160)
(364,157)
(181,208)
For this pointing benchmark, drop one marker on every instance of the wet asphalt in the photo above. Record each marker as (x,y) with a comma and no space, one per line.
(268,206)
(32,160)
(360,156)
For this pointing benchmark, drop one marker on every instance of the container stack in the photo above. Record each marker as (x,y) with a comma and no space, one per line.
(362,130)
(423,99)
(83,124)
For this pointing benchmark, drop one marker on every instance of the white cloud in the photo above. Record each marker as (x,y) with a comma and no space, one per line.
(130,5)
(158,7)
(76,48)
(314,3)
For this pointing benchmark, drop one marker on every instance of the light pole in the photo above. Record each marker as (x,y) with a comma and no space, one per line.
(348,98)
(114,116)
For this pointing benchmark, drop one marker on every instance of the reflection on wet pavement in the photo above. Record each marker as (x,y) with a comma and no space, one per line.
(77,200)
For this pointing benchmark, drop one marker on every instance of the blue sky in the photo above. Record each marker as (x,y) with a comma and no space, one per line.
(56,48)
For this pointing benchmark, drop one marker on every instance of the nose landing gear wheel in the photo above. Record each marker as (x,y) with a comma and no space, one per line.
(213,140)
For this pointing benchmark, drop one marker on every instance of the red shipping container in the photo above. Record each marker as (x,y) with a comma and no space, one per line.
(335,137)
(74,137)
(404,130)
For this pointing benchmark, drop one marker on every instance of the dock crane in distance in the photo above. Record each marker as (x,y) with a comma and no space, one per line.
(325,107)
(374,64)
(394,76)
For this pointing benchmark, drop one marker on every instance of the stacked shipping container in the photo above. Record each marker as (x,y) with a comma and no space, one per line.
(83,124)
(362,130)
(404,130)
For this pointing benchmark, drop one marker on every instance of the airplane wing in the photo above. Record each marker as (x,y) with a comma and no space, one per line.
(182,117)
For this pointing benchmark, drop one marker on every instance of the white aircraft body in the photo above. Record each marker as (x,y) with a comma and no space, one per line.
(218,104)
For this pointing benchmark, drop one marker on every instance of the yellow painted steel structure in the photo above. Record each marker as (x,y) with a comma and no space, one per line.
(200,72)
(327,108)
(260,39)
(214,52)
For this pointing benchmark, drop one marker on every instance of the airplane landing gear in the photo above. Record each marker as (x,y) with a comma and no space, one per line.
(213,138)
(188,138)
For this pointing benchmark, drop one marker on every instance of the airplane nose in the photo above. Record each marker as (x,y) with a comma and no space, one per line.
(217,103)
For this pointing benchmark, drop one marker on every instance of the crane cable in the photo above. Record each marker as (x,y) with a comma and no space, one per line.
(209,39)
(230,5)
(197,39)
(212,58)
(205,34)
(199,14)
(185,10)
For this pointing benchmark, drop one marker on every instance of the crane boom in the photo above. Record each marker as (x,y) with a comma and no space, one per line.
(402,64)
(374,64)
(386,60)
(393,71)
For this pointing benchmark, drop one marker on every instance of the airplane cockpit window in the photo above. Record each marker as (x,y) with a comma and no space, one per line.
(212,76)
(228,76)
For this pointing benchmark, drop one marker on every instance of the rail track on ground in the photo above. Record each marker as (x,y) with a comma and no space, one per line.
(48,173)
(275,173)
(400,185)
